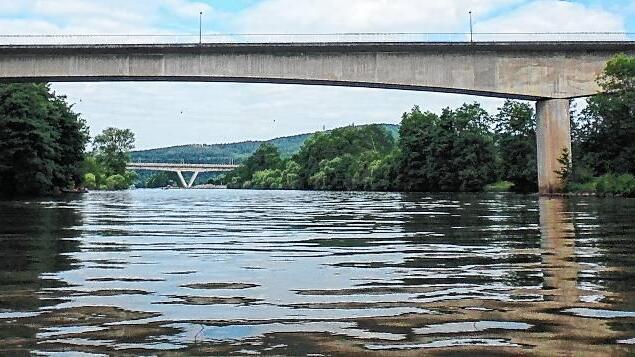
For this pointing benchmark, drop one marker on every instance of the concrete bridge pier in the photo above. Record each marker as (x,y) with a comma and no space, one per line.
(181,179)
(185,184)
(553,135)
(192,179)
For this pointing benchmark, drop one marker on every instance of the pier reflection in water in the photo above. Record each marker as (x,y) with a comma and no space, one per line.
(222,272)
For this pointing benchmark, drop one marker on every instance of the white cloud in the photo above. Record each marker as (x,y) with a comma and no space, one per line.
(554,16)
(289,16)
(10,7)
(98,16)
(186,9)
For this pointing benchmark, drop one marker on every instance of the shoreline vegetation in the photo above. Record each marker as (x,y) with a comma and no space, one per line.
(465,149)
(105,166)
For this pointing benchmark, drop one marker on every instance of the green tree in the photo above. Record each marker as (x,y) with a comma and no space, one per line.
(111,149)
(334,174)
(290,176)
(117,182)
(111,154)
(515,129)
(162,179)
(90,181)
(606,127)
(266,157)
(453,152)
(337,143)
(41,141)
(93,167)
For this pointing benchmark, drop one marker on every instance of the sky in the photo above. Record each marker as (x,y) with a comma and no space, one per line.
(176,113)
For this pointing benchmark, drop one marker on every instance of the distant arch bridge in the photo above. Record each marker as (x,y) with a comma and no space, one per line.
(195,169)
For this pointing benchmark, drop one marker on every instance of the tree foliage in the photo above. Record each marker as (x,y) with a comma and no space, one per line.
(515,133)
(111,149)
(266,157)
(107,163)
(451,152)
(606,127)
(342,150)
(162,179)
(42,141)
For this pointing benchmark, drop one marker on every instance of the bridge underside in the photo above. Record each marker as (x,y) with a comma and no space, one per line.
(309,82)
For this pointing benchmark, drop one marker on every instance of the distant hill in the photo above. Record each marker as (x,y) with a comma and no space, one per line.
(221,153)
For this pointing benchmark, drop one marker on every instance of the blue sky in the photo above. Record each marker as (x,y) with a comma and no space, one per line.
(164,114)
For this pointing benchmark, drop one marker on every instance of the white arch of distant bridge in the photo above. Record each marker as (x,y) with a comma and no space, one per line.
(195,169)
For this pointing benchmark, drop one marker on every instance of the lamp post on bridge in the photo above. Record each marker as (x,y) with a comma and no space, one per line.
(200,28)
(471,29)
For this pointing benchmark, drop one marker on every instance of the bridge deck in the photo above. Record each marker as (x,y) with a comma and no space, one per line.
(180,167)
(522,70)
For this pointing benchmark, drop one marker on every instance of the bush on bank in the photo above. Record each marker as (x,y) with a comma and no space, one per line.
(607,185)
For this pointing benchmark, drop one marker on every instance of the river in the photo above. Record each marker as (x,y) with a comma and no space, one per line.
(296,273)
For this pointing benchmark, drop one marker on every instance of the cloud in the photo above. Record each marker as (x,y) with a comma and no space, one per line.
(186,9)
(12,7)
(289,16)
(98,16)
(554,16)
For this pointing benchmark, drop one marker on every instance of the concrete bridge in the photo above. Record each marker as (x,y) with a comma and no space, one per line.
(180,168)
(550,73)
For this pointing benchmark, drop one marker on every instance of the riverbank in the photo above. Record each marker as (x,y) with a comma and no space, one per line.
(210,187)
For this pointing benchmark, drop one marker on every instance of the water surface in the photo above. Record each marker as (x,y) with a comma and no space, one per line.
(294,273)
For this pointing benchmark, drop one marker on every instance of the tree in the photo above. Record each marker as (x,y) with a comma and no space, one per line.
(606,127)
(515,133)
(41,141)
(342,159)
(107,163)
(453,152)
(90,181)
(339,142)
(162,179)
(266,157)
(112,147)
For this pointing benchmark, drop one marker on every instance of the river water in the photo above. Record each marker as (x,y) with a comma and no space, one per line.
(299,273)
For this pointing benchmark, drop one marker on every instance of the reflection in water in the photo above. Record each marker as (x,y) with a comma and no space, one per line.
(238,272)
(35,242)
(560,267)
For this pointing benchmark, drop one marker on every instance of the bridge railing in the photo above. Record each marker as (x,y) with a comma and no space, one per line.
(184,167)
(79,39)
(213,161)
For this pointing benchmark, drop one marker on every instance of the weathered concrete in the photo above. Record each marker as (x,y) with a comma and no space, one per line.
(182,179)
(553,136)
(521,70)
